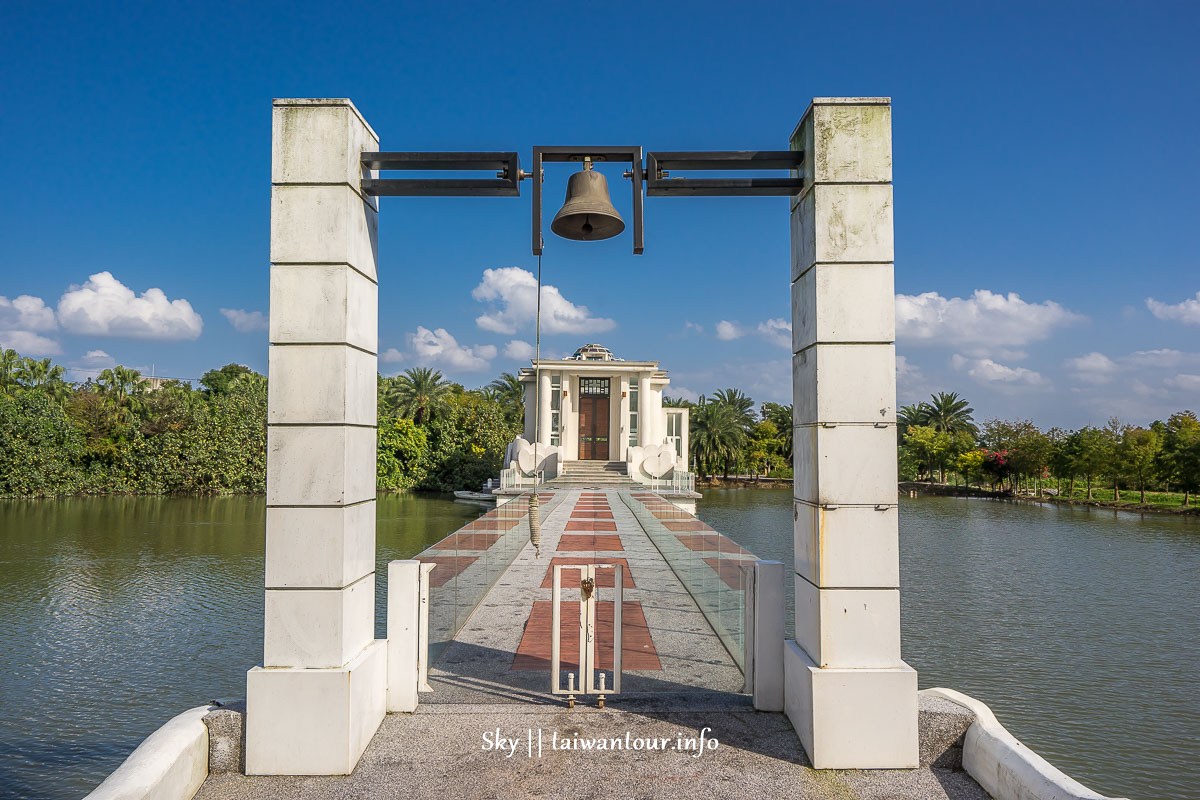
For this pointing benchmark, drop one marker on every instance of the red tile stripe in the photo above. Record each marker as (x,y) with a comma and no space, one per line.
(637,652)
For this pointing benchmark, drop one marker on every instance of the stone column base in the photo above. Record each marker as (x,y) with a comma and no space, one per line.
(851,718)
(314,721)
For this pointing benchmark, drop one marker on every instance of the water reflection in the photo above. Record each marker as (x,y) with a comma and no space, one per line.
(116,613)
(1080,628)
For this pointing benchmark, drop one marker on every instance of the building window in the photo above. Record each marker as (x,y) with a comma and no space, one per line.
(556,410)
(633,413)
(675,432)
(593,386)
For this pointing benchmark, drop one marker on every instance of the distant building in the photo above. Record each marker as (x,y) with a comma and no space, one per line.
(597,407)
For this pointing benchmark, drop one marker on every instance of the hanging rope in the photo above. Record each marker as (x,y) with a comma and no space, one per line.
(535,525)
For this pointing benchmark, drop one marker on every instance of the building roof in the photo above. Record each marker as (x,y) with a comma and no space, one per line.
(593,352)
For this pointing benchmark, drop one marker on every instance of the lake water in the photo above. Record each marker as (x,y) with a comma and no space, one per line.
(1080,629)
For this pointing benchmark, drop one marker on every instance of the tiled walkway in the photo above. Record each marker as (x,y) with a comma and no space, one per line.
(502,654)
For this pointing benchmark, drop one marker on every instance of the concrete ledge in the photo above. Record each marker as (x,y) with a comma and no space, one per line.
(1005,768)
(170,764)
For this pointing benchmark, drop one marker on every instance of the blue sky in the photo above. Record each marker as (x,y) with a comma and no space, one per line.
(1045,150)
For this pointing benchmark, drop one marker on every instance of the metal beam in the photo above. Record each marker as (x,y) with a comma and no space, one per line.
(506,184)
(660,184)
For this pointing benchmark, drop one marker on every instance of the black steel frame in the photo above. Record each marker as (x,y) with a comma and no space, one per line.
(628,155)
(655,176)
(507,184)
(659,184)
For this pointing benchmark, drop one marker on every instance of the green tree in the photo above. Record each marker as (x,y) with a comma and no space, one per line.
(717,437)
(740,406)
(929,448)
(1181,453)
(949,413)
(400,462)
(420,391)
(1092,454)
(39,447)
(510,394)
(10,362)
(1139,453)
(221,381)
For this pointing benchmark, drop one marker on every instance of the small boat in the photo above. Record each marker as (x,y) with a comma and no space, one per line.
(478,497)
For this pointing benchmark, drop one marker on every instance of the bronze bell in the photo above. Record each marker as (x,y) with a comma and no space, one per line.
(588,214)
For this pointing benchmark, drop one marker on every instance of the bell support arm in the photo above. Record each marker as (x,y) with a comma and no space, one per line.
(507,182)
(660,184)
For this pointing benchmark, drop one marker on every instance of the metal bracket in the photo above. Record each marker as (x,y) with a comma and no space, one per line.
(506,184)
(629,155)
(660,184)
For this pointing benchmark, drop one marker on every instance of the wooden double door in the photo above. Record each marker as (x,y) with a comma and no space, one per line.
(593,419)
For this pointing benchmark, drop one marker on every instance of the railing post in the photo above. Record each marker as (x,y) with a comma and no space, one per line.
(764,648)
(403,634)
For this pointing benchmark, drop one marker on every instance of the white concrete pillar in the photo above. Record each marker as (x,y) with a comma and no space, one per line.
(645,424)
(544,409)
(530,400)
(765,662)
(319,696)
(849,695)
(621,389)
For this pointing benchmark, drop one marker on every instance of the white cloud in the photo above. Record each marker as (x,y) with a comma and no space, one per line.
(98,357)
(391,356)
(245,321)
(439,348)
(28,343)
(518,349)
(1162,357)
(682,392)
(512,292)
(106,307)
(1186,311)
(985,319)
(1094,368)
(727,331)
(26,313)
(689,327)
(1188,383)
(987,371)
(777,332)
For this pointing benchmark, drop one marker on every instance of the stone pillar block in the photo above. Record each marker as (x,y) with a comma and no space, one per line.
(852,718)
(847,223)
(320,142)
(544,411)
(848,547)
(320,465)
(844,383)
(323,225)
(322,384)
(314,721)
(325,548)
(843,303)
(327,304)
(318,628)
(850,628)
(845,464)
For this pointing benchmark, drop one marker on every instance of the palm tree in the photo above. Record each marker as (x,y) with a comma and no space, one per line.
(949,413)
(741,406)
(120,385)
(910,416)
(10,362)
(34,374)
(717,436)
(781,417)
(677,402)
(510,394)
(419,391)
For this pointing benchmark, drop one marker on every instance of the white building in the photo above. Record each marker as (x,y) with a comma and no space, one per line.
(597,407)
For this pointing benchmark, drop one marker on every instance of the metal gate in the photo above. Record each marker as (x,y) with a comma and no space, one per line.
(589,595)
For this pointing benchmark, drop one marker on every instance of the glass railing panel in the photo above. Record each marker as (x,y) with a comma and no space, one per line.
(710,566)
(470,561)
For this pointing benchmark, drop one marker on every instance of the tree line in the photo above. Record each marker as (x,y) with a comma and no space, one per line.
(939,438)
(119,434)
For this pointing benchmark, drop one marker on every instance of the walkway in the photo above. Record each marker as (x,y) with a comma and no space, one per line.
(680,684)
